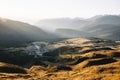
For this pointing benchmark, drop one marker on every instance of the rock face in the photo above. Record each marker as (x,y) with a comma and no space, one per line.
(38,48)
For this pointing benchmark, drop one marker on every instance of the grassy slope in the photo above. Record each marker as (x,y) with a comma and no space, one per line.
(93,59)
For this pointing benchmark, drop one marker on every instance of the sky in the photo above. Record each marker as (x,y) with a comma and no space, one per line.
(33,10)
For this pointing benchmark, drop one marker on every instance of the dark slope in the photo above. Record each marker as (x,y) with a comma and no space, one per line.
(14,32)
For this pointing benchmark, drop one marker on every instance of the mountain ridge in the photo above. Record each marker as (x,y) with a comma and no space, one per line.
(90,25)
(16,32)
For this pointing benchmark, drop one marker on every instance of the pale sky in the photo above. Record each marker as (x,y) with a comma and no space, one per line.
(33,10)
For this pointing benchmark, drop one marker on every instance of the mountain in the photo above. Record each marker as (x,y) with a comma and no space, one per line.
(52,24)
(71,33)
(106,19)
(15,32)
(107,31)
(107,27)
(101,26)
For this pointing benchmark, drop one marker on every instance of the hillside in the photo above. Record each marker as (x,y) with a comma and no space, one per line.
(107,27)
(72,59)
(15,32)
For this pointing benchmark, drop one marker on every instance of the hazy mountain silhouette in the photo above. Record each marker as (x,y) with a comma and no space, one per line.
(15,32)
(101,26)
(69,33)
(107,26)
(52,24)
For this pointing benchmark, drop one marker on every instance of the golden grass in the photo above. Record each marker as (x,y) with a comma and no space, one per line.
(92,62)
